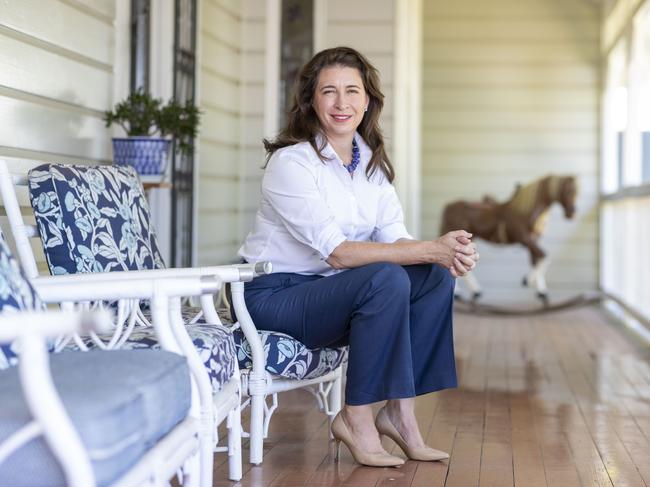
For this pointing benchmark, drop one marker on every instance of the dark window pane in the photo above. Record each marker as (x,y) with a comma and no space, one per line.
(296,47)
(140,24)
(183,164)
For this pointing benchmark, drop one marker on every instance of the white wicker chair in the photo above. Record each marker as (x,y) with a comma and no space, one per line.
(124,386)
(259,379)
(224,403)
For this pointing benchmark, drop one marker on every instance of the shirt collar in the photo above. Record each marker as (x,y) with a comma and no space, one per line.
(330,154)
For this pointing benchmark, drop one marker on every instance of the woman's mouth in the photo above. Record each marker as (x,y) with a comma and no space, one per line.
(341,118)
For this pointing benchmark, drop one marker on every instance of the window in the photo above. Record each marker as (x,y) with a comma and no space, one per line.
(640,90)
(626,108)
(296,47)
(615,118)
(140,34)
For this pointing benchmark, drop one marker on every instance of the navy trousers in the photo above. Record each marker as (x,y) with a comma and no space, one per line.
(397,321)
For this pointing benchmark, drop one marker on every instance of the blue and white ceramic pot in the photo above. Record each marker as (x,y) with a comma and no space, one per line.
(148,155)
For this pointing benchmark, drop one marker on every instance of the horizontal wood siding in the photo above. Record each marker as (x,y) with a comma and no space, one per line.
(220,138)
(56,79)
(56,75)
(510,94)
(253,82)
(369,27)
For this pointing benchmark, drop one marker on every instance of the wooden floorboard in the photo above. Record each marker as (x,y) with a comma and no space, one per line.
(555,400)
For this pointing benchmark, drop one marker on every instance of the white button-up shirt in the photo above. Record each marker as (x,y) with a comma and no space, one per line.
(309,207)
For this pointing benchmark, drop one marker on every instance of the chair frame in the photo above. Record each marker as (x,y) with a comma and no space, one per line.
(256,382)
(165,295)
(216,407)
(187,439)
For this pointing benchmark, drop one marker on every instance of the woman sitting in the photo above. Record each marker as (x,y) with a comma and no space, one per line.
(347,270)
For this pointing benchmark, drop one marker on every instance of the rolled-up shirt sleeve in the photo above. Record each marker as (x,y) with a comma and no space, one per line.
(290,187)
(390,217)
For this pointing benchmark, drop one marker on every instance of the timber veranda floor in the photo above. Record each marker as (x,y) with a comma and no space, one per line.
(558,400)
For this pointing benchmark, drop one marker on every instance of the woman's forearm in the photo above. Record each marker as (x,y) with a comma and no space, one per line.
(404,252)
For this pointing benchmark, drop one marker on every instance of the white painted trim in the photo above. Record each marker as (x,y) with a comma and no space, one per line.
(415,115)
(408,111)
(272,67)
(122,56)
(242,197)
(320,25)
(197,140)
(618,23)
(400,116)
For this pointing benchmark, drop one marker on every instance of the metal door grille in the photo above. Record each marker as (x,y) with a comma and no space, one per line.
(183,164)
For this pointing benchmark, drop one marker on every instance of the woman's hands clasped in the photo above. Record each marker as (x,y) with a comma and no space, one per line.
(459,253)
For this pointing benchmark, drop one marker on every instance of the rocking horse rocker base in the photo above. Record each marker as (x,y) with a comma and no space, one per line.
(483,309)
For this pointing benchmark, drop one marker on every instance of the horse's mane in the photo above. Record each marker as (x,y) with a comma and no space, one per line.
(525,198)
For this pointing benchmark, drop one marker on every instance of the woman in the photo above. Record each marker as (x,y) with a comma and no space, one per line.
(346,270)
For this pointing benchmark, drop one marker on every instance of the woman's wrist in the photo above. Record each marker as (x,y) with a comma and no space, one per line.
(436,251)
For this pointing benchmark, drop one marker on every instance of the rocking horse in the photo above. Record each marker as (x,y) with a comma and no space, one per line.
(521,219)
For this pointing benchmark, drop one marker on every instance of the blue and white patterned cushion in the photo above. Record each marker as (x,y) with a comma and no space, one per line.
(16,294)
(93,219)
(103,225)
(213,342)
(287,357)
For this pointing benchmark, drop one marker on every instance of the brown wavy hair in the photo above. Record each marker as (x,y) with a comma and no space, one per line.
(302,121)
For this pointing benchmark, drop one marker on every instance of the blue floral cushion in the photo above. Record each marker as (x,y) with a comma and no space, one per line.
(16,294)
(213,342)
(287,357)
(93,219)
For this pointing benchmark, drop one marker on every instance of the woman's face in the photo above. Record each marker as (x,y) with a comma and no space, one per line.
(340,101)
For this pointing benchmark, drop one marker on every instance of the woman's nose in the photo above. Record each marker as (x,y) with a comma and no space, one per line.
(341,101)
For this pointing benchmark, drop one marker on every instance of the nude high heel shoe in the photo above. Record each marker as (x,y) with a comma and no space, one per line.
(424,453)
(341,433)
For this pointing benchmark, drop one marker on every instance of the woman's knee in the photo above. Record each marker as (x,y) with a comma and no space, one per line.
(431,279)
(448,282)
(390,277)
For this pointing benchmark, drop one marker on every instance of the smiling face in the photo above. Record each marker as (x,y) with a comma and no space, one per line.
(340,101)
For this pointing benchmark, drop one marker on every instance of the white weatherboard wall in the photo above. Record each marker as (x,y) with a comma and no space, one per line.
(369,27)
(510,94)
(57,60)
(232,64)
(253,93)
(56,63)
(220,144)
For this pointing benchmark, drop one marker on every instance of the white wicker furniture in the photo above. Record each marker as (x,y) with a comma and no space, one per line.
(46,413)
(259,378)
(218,403)
(106,434)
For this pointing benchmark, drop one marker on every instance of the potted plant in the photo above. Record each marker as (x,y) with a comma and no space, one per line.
(151,127)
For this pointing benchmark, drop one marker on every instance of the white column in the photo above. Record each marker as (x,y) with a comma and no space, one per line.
(407,103)
(272,67)
(320,25)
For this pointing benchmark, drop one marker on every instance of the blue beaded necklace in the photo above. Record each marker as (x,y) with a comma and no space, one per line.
(355,158)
